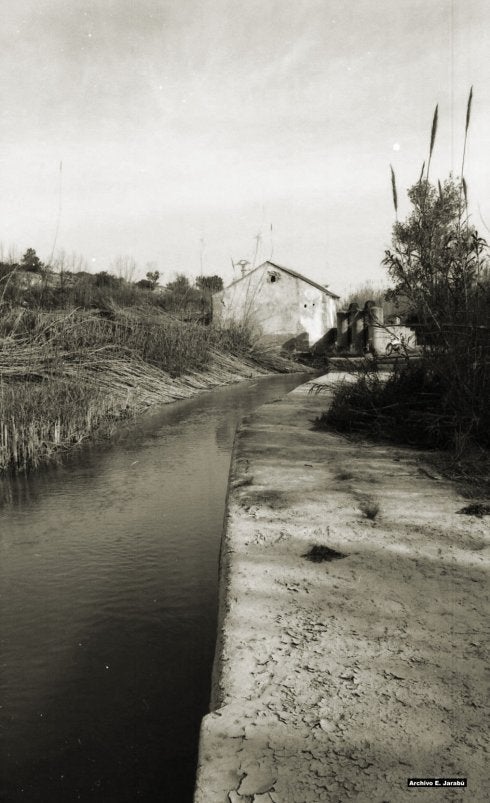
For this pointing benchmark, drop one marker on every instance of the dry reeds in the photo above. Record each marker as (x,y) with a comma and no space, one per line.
(65,376)
(38,420)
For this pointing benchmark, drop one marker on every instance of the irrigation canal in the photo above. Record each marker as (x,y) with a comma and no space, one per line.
(108,583)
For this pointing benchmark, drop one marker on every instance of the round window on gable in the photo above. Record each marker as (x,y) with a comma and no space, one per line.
(273,278)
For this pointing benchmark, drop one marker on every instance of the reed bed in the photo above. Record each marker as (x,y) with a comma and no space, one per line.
(158,339)
(38,420)
(65,377)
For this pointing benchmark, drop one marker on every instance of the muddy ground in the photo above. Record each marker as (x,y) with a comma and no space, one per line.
(339,680)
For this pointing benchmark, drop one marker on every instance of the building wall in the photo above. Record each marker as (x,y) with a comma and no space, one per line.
(281,308)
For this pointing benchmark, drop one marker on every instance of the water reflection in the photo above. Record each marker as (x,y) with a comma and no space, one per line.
(108,583)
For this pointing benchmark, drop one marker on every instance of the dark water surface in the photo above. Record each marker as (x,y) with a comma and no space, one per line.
(108,583)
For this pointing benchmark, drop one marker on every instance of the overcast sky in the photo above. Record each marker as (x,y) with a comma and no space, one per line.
(188,127)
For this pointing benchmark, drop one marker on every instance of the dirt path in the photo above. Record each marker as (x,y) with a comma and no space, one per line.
(339,680)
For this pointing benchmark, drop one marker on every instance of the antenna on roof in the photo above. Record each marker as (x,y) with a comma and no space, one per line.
(242,264)
(272,244)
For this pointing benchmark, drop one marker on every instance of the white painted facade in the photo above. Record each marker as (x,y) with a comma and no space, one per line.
(280,305)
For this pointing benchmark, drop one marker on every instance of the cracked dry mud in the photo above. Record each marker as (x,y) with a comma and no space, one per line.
(338,680)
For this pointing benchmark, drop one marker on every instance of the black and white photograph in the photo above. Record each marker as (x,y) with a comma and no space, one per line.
(244,401)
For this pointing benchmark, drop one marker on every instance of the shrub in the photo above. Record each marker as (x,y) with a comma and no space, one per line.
(416,405)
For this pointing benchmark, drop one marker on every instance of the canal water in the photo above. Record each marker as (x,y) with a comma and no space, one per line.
(108,583)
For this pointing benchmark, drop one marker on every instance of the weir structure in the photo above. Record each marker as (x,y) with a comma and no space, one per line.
(364,330)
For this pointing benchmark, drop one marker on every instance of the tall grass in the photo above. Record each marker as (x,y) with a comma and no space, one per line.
(41,419)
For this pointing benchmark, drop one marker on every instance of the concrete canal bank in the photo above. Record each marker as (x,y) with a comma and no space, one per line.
(340,679)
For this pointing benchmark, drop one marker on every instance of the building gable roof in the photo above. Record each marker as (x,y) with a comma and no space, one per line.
(291,272)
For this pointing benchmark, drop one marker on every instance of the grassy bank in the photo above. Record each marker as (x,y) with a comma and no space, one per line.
(66,376)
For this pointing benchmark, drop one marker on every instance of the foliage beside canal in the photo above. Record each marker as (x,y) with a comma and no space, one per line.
(68,375)
(419,404)
(439,268)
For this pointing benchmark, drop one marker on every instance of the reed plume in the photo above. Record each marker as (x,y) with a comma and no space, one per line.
(432,137)
(393,190)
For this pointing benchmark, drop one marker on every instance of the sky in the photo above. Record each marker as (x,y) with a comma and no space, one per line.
(191,134)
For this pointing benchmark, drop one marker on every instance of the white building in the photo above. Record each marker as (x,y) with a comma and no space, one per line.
(282,306)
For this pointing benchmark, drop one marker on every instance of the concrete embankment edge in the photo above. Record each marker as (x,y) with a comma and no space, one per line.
(339,680)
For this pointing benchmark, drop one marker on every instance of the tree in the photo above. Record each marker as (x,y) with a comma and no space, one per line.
(212,284)
(180,285)
(152,278)
(180,296)
(438,260)
(150,282)
(437,257)
(438,264)
(107,280)
(31,262)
